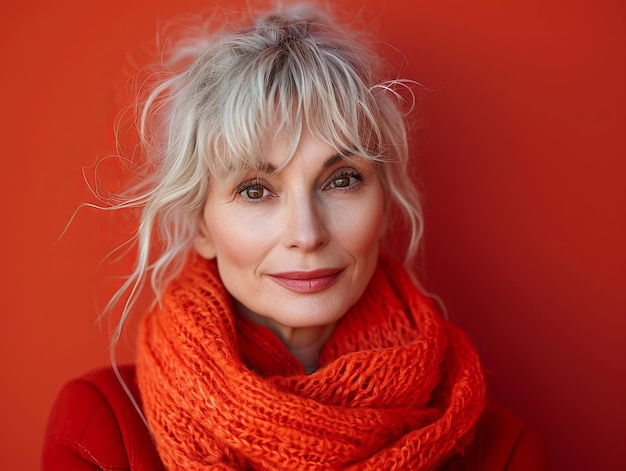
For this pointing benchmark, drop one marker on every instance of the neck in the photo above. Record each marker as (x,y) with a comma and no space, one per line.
(304,343)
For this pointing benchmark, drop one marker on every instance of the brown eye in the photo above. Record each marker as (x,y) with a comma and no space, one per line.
(344,178)
(254,192)
(341,182)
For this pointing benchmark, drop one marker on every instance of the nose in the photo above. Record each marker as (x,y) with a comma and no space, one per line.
(304,227)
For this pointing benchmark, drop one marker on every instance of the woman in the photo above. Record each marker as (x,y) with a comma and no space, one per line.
(285,335)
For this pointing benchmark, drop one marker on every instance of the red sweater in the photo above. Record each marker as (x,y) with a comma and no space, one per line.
(94,426)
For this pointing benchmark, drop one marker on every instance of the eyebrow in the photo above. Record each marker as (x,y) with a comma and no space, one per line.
(332,160)
(329,162)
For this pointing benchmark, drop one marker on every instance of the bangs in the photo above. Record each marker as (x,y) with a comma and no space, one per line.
(280,80)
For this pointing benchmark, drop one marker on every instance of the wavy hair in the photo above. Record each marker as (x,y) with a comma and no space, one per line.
(216,99)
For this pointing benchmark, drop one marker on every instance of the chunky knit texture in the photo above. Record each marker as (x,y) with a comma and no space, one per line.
(397,387)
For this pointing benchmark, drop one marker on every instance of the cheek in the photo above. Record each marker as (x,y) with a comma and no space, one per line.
(358,226)
(240,239)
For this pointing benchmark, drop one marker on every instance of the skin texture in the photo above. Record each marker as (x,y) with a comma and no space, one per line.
(273,232)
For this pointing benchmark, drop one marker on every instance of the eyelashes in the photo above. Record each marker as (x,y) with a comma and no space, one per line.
(344,178)
(253,190)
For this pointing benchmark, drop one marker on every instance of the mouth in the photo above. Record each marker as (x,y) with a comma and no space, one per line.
(308,281)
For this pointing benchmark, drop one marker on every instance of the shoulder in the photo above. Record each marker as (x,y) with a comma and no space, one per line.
(94,425)
(502,442)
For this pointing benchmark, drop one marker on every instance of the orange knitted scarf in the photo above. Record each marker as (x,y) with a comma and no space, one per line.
(397,387)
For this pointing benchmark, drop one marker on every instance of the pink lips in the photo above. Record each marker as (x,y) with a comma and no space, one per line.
(308,281)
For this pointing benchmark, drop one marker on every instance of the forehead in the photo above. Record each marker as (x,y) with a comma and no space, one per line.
(280,151)
(273,151)
(269,138)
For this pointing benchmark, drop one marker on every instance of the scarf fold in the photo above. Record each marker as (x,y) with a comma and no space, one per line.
(397,386)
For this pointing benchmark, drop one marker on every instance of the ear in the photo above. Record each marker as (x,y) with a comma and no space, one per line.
(203,242)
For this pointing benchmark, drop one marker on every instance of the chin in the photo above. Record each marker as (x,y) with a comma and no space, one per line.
(296,316)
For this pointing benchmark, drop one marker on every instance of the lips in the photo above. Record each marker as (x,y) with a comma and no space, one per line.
(308,281)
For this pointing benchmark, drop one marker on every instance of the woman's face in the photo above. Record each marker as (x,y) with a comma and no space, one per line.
(297,247)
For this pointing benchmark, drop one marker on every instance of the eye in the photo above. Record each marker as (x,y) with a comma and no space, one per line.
(344,178)
(253,190)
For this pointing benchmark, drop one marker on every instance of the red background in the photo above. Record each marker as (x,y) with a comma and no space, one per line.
(522,158)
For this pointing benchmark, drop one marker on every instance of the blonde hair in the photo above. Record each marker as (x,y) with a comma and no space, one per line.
(217,98)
